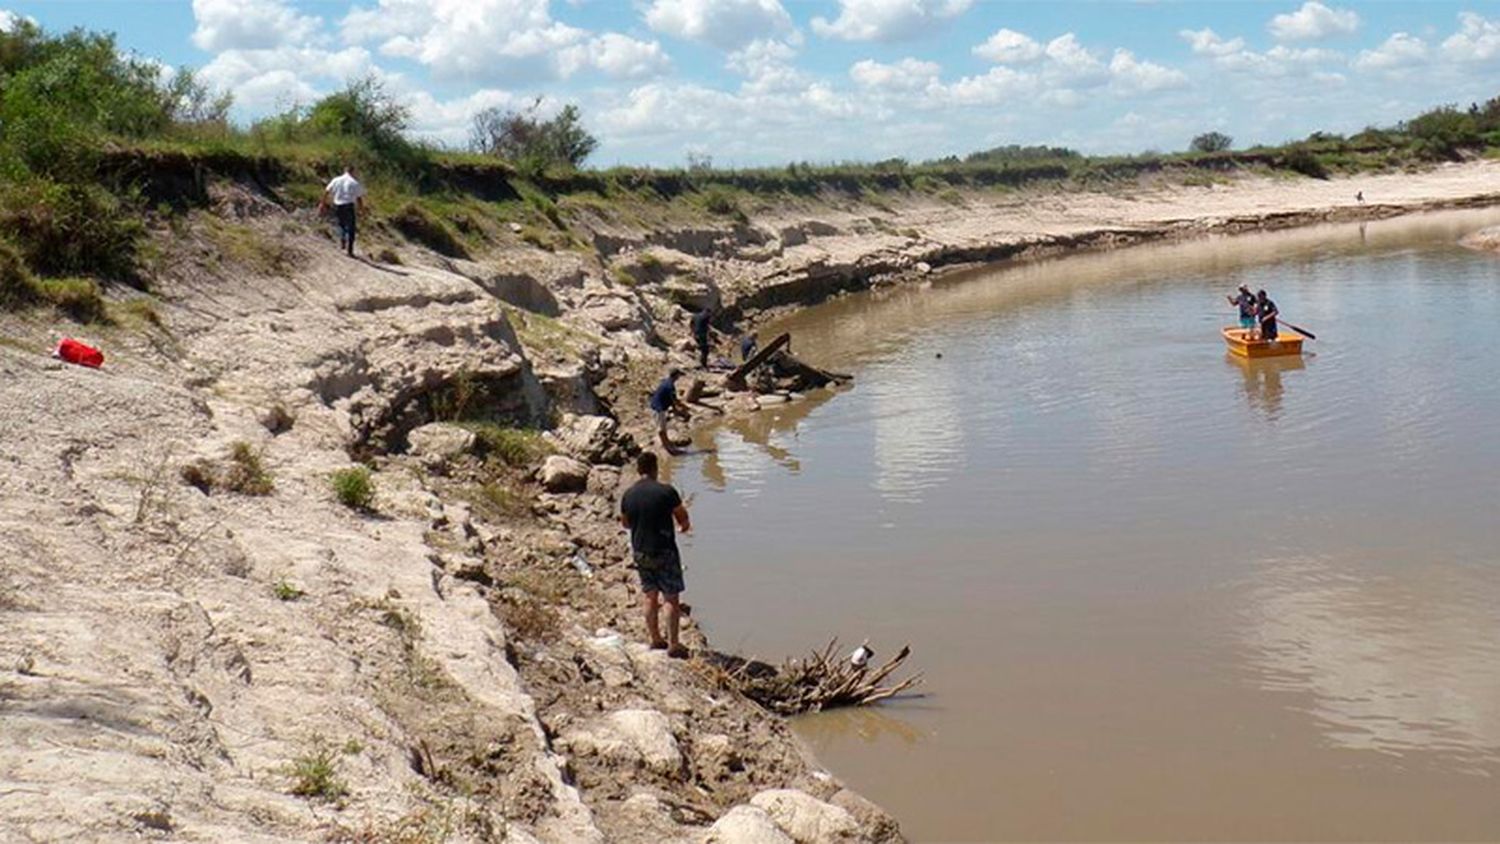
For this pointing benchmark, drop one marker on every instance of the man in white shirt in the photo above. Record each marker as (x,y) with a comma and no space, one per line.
(348,198)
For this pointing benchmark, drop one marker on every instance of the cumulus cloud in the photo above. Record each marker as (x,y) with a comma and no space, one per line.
(1398,51)
(905,75)
(767,66)
(263,80)
(726,24)
(1477,39)
(888,20)
(1313,21)
(1206,42)
(1132,74)
(1009,47)
(250,25)
(492,40)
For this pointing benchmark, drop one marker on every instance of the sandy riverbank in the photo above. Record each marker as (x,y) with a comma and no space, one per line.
(182,657)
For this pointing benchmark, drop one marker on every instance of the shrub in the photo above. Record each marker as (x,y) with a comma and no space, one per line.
(1211,142)
(17,288)
(315,776)
(70,229)
(285,590)
(718,199)
(246,474)
(531,143)
(1302,160)
(510,446)
(354,487)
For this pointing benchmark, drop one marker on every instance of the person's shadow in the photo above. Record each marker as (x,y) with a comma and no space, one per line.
(374,265)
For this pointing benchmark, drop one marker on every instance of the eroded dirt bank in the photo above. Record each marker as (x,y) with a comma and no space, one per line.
(193,627)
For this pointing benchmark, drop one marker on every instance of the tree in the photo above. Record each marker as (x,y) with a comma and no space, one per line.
(364,109)
(531,143)
(1211,142)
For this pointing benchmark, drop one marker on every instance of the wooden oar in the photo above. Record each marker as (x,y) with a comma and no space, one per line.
(1303,331)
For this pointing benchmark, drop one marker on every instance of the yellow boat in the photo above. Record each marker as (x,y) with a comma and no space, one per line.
(1287,343)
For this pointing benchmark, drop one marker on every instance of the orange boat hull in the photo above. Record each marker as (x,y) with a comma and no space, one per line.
(1240,344)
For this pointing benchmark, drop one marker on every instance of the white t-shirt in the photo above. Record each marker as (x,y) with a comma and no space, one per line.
(345,189)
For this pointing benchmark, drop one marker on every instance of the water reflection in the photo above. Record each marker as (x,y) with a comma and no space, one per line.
(919,431)
(1262,380)
(866,724)
(748,447)
(1393,663)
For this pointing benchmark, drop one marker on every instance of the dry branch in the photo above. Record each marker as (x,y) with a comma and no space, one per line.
(826,679)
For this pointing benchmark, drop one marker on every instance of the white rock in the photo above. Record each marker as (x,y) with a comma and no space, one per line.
(564,474)
(746,825)
(650,733)
(439,441)
(805,818)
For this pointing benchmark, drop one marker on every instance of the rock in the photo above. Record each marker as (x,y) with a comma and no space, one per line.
(717,753)
(876,824)
(596,439)
(923,267)
(439,443)
(632,736)
(805,818)
(650,733)
(1484,239)
(692,293)
(746,825)
(564,474)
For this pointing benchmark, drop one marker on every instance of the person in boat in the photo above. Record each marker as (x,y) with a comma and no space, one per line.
(664,403)
(1245,301)
(1265,311)
(649,510)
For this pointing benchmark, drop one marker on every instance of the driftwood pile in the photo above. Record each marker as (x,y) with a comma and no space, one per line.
(825,680)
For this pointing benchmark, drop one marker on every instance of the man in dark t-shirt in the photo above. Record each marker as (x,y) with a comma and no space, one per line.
(664,403)
(1265,309)
(653,512)
(701,325)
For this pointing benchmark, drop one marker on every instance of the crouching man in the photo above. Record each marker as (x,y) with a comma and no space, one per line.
(653,512)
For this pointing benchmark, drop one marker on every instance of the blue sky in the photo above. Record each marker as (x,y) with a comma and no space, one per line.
(769,81)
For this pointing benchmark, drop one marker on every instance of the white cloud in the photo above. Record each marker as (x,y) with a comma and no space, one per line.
(622,57)
(1206,42)
(262,80)
(905,75)
(1313,21)
(516,41)
(1132,74)
(888,20)
(9,19)
(1070,62)
(767,66)
(725,24)
(1398,51)
(250,25)
(1477,39)
(1009,47)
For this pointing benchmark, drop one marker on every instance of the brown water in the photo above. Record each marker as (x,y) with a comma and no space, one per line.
(1156,593)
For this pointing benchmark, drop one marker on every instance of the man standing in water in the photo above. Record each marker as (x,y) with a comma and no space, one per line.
(664,403)
(348,198)
(1266,310)
(1245,301)
(648,510)
(701,328)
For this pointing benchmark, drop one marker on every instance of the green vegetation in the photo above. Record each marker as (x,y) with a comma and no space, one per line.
(285,590)
(315,775)
(354,487)
(1211,142)
(246,473)
(509,446)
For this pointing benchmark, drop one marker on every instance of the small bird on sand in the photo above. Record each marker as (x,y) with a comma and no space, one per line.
(860,657)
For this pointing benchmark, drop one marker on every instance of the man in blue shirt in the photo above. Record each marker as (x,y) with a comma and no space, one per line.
(664,402)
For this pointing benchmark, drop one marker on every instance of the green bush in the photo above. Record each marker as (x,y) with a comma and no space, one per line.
(70,229)
(79,298)
(354,487)
(17,288)
(510,446)
(246,472)
(1302,160)
(315,776)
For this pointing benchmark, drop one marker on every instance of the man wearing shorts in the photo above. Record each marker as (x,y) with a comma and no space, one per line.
(1246,303)
(653,512)
(664,402)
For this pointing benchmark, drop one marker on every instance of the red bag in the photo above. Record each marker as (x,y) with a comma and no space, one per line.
(82,354)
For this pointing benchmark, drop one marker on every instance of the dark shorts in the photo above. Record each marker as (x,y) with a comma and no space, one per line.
(660,573)
(1268,331)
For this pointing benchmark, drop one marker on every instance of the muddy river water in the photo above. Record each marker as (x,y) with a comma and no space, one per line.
(1156,593)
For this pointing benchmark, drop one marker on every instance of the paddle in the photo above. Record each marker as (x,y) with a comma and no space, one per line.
(1303,331)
